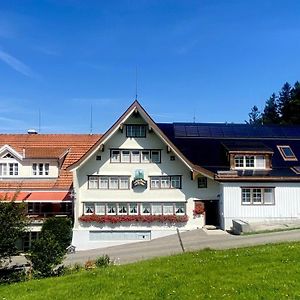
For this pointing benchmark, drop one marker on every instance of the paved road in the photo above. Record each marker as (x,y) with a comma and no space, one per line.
(192,240)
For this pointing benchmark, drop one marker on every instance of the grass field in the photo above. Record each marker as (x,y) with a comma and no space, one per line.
(263,272)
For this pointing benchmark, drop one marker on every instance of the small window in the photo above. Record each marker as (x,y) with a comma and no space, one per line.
(89,208)
(165,182)
(93,182)
(168,209)
(296,169)
(111,209)
(98,157)
(115,156)
(125,156)
(113,183)
(136,131)
(156,209)
(258,196)
(133,209)
(155,156)
(146,209)
(179,208)
(122,209)
(100,208)
(103,183)
(124,183)
(239,161)
(172,157)
(175,182)
(287,153)
(155,182)
(249,161)
(145,157)
(202,182)
(135,156)
(8,155)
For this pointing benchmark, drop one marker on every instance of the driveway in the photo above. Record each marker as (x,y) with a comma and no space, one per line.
(191,240)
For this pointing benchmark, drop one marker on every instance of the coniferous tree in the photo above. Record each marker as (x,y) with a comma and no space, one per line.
(294,107)
(284,103)
(254,116)
(270,114)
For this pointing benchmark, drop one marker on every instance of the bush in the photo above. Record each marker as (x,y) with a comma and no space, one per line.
(46,253)
(103,261)
(60,228)
(89,264)
(11,275)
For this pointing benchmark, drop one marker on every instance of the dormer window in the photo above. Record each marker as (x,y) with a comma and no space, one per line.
(40,169)
(136,131)
(249,162)
(287,152)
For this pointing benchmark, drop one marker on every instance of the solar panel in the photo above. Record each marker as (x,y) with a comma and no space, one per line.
(191,131)
(179,130)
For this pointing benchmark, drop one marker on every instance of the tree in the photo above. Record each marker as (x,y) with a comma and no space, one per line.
(12,226)
(270,114)
(45,254)
(49,250)
(284,101)
(254,116)
(60,228)
(294,106)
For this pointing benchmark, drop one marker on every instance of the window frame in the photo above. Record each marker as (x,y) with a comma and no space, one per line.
(244,158)
(254,191)
(134,133)
(108,178)
(120,156)
(202,182)
(284,156)
(165,177)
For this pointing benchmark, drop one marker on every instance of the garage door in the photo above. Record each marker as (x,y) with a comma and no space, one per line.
(119,235)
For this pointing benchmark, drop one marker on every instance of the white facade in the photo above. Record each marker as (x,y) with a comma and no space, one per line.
(85,234)
(286,203)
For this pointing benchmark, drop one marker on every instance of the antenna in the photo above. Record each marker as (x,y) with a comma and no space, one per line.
(136,83)
(39,120)
(91,125)
(194,117)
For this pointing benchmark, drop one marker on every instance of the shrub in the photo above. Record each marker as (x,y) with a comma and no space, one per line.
(60,228)
(46,253)
(102,261)
(11,275)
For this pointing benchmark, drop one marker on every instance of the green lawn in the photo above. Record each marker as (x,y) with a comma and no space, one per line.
(263,272)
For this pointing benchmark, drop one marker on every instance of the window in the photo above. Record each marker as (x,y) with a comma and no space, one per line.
(145,157)
(179,208)
(108,182)
(113,183)
(296,169)
(135,156)
(156,209)
(40,169)
(34,208)
(133,208)
(168,209)
(258,196)
(165,182)
(125,156)
(93,182)
(111,209)
(99,208)
(103,183)
(122,209)
(155,156)
(136,131)
(146,209)
(202,182)
(287,153)
(115,156)
(9,169)
(89,208)
(249,162)
(172,157)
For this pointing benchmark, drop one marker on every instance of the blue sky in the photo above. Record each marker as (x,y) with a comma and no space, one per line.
(210,58)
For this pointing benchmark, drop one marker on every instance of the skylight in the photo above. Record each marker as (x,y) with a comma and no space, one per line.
(287,153)
(296,169)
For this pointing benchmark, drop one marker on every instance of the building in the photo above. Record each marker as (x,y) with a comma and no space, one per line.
(33,170)
(142,180)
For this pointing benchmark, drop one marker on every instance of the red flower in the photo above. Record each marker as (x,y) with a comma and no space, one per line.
(113,219)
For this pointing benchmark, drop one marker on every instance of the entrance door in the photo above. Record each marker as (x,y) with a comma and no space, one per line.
(212,216)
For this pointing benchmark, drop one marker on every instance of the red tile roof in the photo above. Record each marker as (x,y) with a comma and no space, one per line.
(47,146)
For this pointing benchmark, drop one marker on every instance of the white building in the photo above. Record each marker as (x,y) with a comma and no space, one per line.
(143,180)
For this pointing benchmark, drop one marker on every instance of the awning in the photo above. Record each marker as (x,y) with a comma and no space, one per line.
(38,196)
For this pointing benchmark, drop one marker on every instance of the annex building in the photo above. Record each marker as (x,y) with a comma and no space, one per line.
(142,180)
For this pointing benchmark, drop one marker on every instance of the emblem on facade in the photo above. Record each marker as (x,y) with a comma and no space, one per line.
(139,179)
